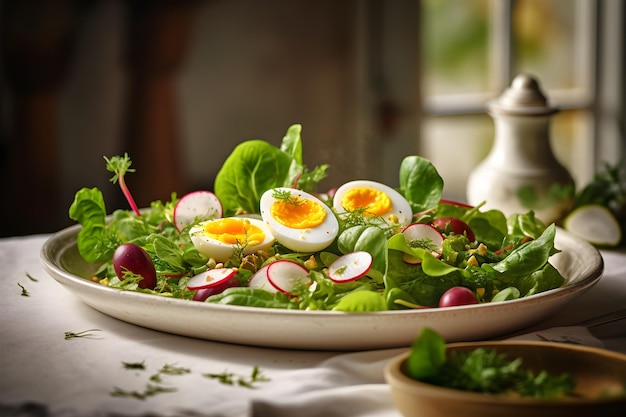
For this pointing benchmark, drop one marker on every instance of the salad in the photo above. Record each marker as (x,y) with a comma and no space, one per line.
(265,238)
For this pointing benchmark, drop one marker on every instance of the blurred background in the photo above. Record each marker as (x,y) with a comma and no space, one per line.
(179,83)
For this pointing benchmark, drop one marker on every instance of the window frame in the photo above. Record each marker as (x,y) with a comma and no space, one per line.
(598,71)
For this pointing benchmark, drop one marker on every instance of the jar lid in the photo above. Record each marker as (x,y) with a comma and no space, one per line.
(524,97)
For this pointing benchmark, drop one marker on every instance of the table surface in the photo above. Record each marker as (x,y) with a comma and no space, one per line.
(44,374)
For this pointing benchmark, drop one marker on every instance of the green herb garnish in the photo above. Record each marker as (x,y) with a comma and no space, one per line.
(84,333)
(150,391)
(229,378)
(25,292)
(134,365)
(286,197)
(120,166)
(481,370)
(168,369)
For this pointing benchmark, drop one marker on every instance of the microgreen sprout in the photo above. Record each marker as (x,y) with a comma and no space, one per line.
(25,292)
(84,333)
(120,166)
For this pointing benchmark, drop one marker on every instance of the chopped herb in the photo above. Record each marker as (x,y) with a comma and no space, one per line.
(25,292)
(150,391)
(173,370)
(229,378)
(32,278)
(424,243)
(341,270)
(481,370)
(134,365)
(84,333)
(286,197)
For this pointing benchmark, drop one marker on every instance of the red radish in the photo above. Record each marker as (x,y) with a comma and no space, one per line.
(210,278)
(455,226)
(455,203)
(350,266)
(457,296)
(429,238)
(195,206)
(259,280)
(133,258)
(204,293)
(285,275)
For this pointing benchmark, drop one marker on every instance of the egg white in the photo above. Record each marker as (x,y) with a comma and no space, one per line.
(400,213)
(312,239)
(221,251)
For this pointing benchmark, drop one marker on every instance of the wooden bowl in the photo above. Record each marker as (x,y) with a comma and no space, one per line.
(600,384)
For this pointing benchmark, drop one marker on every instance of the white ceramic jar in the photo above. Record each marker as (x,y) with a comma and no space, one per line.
(520,173)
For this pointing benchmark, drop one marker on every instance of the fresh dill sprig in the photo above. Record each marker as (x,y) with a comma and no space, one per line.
(424,243)
(360,217)
(25,292)
(229,378)
(84,333)
(150,391)
(168,369)
(286,197)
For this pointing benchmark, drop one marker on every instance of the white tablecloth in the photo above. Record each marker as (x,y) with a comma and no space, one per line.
(44,374)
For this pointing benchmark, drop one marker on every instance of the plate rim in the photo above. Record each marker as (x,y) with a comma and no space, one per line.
(59,242)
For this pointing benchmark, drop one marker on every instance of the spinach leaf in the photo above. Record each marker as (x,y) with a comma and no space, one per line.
(93,241)
(544,279)
(489,227)
(420,183)
(361,301)
(427,355)
(299,177)
(253,167)
(529,257)
(168,255)
(370,239)
(251,297)
(525,225)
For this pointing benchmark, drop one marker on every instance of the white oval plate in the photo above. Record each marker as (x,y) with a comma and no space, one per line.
(580,263)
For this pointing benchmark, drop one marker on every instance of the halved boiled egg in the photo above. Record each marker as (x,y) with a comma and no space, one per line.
(218,238)
(373,199)
(298,220)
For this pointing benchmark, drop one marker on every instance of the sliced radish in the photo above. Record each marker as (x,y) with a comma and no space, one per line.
(196,206)
(350,266)
(430,237)
(455,203)
(285,275)
(259,280)
(210,278)
(594,223)
(455,226)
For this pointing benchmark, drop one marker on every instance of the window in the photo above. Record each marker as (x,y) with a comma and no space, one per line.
(470,52)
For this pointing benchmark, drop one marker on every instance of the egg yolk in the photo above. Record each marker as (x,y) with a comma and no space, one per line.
(234,231)
(373,202)
(298,213)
